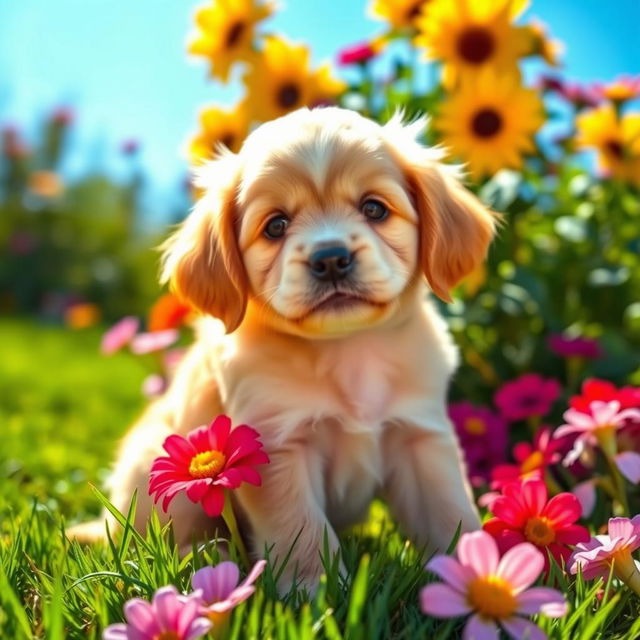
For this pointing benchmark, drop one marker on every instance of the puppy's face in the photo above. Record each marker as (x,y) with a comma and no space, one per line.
(321,223)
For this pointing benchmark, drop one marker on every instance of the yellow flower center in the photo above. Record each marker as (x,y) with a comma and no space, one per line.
(475,45)
(538,531)
(486,123)
(475,426)
(167,635)
(220,623)
(532,462)
(207,464)
(491,597)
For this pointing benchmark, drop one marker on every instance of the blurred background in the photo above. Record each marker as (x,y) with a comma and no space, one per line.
(105,104)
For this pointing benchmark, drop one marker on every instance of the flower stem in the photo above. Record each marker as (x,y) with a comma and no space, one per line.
(608,445)
(229,518)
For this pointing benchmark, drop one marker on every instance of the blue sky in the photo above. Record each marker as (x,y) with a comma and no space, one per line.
(121,65)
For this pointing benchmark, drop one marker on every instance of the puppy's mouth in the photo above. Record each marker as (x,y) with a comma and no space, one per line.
(340,300)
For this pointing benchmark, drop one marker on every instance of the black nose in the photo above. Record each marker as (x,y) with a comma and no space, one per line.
(331,263)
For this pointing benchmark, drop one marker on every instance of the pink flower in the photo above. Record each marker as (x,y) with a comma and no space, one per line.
(169,616)
(119,335)
(596,557)
(528,396)
(154,341)
(532,460)
(483,437)
(493,589)
(578,347)
(219,588)
(356,54)
(605,391)
(524,514)
(206,462)
(154,385)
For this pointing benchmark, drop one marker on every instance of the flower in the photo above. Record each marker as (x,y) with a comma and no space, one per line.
(82,315)
(578,347)
(281,81)
(225,32)
(616,139)
(541,45)
(169,616)
(153,341)
(209,460)
(605,391)
(493,589)
(228,127)
(621,89)
(489,122)
(469,36)
(580,95)
(528,396)
(130,147)
(356,54)
(483,437)
(400,14)
(596,557)
(523,513)
(532,460)
(154,385)
(168,312)
(119,335)
(45,184)
(220,592)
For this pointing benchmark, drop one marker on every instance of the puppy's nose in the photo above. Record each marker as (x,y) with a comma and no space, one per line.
(331,263)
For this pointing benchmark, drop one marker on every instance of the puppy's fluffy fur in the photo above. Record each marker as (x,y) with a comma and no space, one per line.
(348,391)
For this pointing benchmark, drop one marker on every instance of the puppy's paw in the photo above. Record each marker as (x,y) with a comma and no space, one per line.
(88,532)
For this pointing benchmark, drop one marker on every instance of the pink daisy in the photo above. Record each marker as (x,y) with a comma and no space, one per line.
(578,347)
(494,590)
(528,396)
(206,462)
(154,341)
(119,335)
(170,616)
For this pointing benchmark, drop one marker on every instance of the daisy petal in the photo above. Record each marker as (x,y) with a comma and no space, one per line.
(479,629)
(629,465)
(521,629)
(213,502)
(479,551)
(179,448)
(521,565)
(451,571)
(442,601)
(533,600)
(562,510)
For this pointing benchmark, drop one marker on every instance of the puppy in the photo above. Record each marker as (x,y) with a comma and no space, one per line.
(315,247)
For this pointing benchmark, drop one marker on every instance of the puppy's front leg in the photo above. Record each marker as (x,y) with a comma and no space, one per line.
(290,504)
(426,483)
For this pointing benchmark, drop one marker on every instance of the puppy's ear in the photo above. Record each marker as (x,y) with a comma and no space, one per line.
(455,227)
(202,260)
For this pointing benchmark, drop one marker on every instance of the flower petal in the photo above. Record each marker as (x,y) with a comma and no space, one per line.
(167,607)
(198,628)
(479,551)
(197,489)
(562,510)
(509,510)
(532,601)
(519,628)
(586,494)
(629,464)
(534,496)
(216,582)
(115,632)
(213,502)
(478,628)
(179,448)
(451,571)
(140,616)
(442,601)
(219,433)
(521,565)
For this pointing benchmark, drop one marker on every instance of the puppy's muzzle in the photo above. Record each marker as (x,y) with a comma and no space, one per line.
(331,263)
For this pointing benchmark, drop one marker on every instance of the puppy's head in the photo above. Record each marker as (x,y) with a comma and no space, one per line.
(323,224)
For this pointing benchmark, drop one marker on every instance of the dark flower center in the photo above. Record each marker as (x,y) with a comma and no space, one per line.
(476,45)
(234,33)
(486,123)
(288,96)
(615,148)
(415,10)
(528,402)
(227,140)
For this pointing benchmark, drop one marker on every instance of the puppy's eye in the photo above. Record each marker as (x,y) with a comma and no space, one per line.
(276,226)
(374,210)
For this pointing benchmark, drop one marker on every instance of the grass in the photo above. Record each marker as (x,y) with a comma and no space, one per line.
(63,408)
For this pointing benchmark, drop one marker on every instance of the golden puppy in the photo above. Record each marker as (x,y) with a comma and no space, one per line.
(316,246)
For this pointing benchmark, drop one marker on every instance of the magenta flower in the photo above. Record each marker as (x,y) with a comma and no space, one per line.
(154,341)
(528,396)
(154,385)
(578,347)
(170,616)
(356,54)
(483,437)
(596,558)
(119,335)
(494,590)
(219,589)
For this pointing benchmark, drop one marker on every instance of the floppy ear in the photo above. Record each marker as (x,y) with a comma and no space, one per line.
(202,260)
(455,227)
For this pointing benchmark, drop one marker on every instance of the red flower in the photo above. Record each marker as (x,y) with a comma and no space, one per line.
(604,391)
(523,514)
(206,462)
(532,460)
(168,312)
(528,396)
(578,347)
(356,54)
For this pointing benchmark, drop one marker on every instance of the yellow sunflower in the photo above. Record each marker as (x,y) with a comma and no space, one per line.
(489,122)
(218,126)
(400,14)
(225,31)
(469,35)
(281,80)
(541,45)
(617,140)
